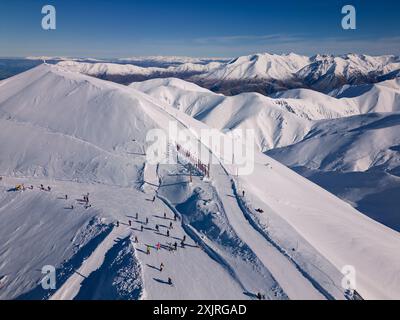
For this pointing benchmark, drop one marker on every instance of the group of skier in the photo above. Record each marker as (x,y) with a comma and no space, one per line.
(158,246)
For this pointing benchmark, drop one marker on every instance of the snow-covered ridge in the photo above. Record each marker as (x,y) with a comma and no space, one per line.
(97,69)
(260,66)
(358,158)
(114,69)
(174,59)
(327,72)
(358,99)
(278,122)
(67,128)
(264,73)
(310,69)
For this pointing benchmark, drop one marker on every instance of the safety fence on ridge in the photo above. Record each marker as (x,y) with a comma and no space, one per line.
(203,168)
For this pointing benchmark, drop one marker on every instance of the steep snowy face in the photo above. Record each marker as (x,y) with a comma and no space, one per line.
(275,123)
(357,158)
(327,72)
(260,66)
(278,122)
(380,97)
(61,124)
(263,73)
(363,142)
(348,100)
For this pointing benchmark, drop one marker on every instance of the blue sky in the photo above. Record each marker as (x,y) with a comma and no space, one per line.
(124,28)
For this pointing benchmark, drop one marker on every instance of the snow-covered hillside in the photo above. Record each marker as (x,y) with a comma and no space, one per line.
(279,121)
(268,73)
(326,72)
(173,60)
(359,99)
(330,152)
(260,66)
(82,135)
(275,124)
(263,73)
(356,158)
(99,69)
(104,70)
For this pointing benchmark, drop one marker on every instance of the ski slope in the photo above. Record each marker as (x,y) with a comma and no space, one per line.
(361,164)
(295,249)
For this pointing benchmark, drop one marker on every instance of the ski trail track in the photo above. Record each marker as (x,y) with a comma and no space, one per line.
(292,281)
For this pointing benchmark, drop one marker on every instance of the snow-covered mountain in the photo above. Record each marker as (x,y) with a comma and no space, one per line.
(275,124)
(357,158)
(172,60)
(263,73)
(83,135)
(327,72)
(260,66)
(268,73)
(126,73)
(320,132)
(104,69)
(279,121)
(357,99)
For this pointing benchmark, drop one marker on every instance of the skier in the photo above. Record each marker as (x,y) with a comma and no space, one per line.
(167,233)
(136,240)
(184,239)
(157,228)
(141,228)
(176,246)
(243,193)
(48,188)
(148,250)
(158,246)
(117,224)
(137,216)
(170,281)
(147,221)
(66,197)
(154,199)
(171,226)
(165,215)
(183,244)
(130,223)
(161,267)
(175,217)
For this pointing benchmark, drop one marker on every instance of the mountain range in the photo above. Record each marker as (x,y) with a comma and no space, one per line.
(271,231)
(264,73)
